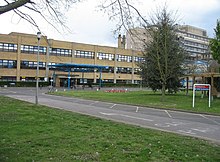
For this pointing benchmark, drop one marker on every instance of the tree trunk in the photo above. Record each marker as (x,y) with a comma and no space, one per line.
(163,92)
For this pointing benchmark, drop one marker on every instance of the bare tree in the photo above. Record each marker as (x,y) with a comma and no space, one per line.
(124,13)
(52,11)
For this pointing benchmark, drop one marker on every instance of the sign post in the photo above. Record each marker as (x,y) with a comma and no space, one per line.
(201,87)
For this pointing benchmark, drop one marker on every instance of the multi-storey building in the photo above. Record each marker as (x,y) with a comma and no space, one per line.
(18,60)
(194,40)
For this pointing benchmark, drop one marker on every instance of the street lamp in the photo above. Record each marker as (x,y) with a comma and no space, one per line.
(38,49)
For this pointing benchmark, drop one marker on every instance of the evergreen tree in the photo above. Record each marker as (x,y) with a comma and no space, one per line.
(163,55)
(215,43)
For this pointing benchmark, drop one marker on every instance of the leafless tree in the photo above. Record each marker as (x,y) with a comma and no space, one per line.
(52,11)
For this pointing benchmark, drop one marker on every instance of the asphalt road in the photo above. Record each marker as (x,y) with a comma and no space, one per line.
(190,124)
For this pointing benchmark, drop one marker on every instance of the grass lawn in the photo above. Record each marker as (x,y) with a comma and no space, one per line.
(151,99)
(37,133)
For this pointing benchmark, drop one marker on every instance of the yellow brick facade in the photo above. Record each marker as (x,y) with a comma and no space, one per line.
(18,57)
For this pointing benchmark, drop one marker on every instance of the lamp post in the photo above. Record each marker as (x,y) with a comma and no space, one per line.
(37,74)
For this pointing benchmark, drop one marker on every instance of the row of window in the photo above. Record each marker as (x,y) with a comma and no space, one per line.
(32,79)
(67,52)
(124,70)
(105,56)
(197,37)
(124,58)
(84,54)
(196,44)
(33,49)
(8,47)
(8,64)
(60,52)
(194,49)
(42,65)
(32,65)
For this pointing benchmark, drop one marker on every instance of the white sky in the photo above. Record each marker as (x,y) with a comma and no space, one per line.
(88,25)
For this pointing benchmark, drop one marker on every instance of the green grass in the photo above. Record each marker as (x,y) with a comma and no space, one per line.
(177,101)
(38,133)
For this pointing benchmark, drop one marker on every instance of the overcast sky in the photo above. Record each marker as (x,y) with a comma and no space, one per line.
(88,25)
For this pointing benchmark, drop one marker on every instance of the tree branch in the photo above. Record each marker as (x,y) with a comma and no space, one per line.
(13,5)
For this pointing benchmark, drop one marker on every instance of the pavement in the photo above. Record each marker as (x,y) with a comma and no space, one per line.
(190,124)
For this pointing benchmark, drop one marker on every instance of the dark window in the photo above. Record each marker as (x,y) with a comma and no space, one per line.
(124,70)
(139,59)
(7,78)
(61,52)
(8,64)
(32,65)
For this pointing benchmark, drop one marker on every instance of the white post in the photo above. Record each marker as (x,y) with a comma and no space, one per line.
(209,95)
(193,96)
(37,74)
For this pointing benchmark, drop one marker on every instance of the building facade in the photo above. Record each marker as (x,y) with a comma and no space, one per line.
(18,60)
(195,41)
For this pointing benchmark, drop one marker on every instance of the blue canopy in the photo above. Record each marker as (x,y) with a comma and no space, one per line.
(75,67)
(69,65)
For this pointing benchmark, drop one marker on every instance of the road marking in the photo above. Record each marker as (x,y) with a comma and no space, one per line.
(162,125)
(113,106)
(166,125)
(137,109)
(127,116)
(187,132)
(176,123)
(210,119)
(201,130)
(93,103)
(168,113)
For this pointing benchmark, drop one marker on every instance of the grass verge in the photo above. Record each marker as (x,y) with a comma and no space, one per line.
(177,101)
(38,133)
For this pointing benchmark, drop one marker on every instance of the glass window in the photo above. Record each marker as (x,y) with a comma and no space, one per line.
(32,65)
(33,49)
(8,64)
(110,69)
(105,56)
(84,54)
(8,47)
(139,59)
(61,52)
(124,70)
(124,58)
(7,78)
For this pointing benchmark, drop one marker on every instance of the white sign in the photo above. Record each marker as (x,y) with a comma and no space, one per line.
(201,87)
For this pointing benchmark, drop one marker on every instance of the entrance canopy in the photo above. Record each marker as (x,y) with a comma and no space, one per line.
(69,67)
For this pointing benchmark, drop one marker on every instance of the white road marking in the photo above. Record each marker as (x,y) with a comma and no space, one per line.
(168,113)
(113,106)
(93,103)
(187,132)
(137,109)
(176,123)
(127,116)
(162,125)
(166,125)
(201,130)
(210,119)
